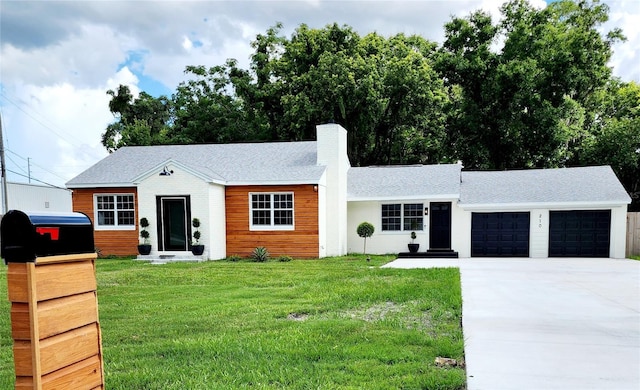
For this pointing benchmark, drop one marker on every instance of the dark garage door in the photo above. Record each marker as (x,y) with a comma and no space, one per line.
(500,234)
(579,233)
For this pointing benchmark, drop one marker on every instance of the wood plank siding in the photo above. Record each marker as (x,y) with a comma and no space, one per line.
(108,242)
(302,242)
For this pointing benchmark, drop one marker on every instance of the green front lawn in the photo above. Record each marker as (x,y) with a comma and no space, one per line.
(330,323)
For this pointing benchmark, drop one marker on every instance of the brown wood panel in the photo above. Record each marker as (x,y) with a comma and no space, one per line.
(108,242)
(52,280)
(302,242)
(20,326)
(17,284)
(86,374)
(58,351)
(58,315)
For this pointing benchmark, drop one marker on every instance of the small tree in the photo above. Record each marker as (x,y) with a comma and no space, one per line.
(196,235)
(365,229)
(144,224)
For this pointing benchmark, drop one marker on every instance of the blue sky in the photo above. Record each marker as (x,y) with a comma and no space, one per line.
(60,57)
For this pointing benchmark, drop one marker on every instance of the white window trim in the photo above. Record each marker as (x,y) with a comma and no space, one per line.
(272,227)
(96,226)
(402,230)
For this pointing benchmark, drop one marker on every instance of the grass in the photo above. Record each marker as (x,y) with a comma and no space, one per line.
(338,323)
(634,257)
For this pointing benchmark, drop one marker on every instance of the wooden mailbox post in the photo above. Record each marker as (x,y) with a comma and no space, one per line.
(54,307)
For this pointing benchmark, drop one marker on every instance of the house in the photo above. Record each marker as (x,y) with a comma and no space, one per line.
(33,197)
(303,199)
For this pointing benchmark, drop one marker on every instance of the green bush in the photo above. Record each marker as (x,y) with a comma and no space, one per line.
(234,258)
(260,254)
(284,259)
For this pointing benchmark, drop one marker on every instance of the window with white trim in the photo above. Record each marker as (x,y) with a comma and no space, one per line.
(114,211)
(397,217)
(271,211)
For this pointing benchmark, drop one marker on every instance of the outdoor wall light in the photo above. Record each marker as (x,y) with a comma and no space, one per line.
(166,172)
(315,188)
(426,211)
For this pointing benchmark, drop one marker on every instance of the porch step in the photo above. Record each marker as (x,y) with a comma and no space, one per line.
(430,254)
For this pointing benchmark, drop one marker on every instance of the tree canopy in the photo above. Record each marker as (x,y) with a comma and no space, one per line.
(532,89)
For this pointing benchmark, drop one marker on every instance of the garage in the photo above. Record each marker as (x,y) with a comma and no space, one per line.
(500,234)
(579,233)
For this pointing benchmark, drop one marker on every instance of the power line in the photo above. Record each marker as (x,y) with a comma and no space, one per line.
(39,181)
(38,120)
(30,162)
(13,161)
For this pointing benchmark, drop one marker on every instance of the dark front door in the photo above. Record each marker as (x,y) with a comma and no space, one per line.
(440,225)
(174,228)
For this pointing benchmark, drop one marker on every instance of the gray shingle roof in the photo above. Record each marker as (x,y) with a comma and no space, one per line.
(562,185)
(283,162)
(419,181)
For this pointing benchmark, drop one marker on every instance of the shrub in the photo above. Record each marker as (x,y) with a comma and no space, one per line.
(260,254)
(234,258)
(284,259)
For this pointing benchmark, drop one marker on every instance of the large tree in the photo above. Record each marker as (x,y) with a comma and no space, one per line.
(523,104)
(615,136)
(383,90)
(139,121)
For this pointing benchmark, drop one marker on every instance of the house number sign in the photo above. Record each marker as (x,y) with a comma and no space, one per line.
(540,220)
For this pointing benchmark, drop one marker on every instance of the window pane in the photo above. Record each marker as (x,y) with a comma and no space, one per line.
(283,217)
(105,203)
(125,202)
(262,217)
(106,218)
(261,201)
(391,220)
(126,218)
(283,201)
(413,219)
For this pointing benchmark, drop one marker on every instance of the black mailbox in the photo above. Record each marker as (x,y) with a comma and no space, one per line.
(25,236)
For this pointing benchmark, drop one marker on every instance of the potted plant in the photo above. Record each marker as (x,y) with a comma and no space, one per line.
(145,247)
(196,248)
(413,247)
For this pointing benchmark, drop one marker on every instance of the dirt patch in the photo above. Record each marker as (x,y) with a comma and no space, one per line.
(298,316)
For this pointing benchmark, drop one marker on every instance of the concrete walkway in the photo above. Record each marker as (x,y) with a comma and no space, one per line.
(548,323)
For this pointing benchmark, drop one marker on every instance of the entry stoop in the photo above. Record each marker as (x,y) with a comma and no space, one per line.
(430,254)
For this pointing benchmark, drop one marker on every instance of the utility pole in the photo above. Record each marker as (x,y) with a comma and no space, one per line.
(29,168)
(3,172)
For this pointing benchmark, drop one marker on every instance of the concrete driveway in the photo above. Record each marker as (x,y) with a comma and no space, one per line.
(548,323)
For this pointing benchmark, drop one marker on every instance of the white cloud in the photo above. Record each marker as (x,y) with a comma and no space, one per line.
(626,58)
(58,126)
(55,73)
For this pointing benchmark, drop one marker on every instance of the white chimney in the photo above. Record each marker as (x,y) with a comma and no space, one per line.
(332,202)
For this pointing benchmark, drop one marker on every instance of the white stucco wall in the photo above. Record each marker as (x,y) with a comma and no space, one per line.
(207,204)
(618,232)
(396,241)
(216,246)
(322,216)
(332,153)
